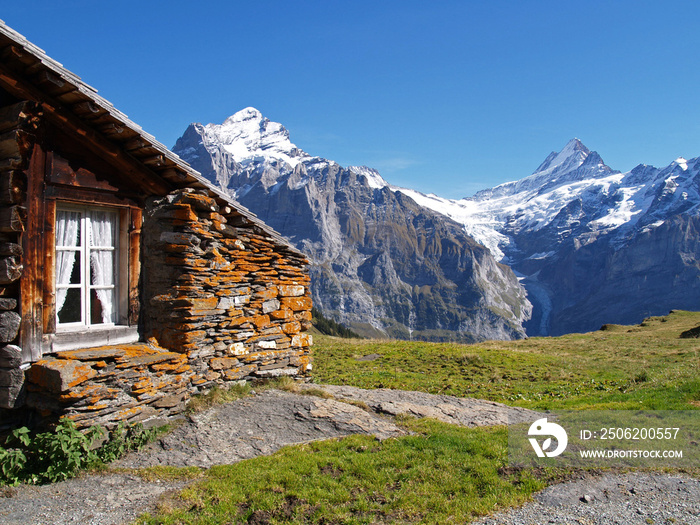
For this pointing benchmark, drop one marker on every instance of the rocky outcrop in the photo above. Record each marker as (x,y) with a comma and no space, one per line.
(462,411)
(654,271)
(380,263)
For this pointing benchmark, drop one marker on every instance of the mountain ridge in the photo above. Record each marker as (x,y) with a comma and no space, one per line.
(573,212)
(582,216)
(380,263)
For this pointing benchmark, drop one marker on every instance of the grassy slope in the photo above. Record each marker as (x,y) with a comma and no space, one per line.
(622,367)
(444,474)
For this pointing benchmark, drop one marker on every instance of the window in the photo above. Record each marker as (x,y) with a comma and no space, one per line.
(86,267)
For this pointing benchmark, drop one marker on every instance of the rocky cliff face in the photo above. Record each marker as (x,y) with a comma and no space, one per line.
(381,263)
(592,245)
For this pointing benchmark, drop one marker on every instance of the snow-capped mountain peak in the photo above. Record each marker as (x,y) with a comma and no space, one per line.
(575,162)
(583,238)
(574,153)
(369,247)
(247,135)
(680,161)
(246,114)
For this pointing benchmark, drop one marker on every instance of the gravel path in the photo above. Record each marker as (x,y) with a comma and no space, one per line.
(623,499)
(265,422)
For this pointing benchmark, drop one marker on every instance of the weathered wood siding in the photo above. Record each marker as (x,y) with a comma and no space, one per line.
(18,125)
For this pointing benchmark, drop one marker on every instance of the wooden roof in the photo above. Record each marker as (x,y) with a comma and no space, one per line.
(64,95)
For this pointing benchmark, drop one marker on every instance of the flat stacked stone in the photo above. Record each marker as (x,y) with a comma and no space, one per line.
(110,384)
(226,293)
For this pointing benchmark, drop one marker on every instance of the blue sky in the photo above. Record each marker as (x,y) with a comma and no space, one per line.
(444,96)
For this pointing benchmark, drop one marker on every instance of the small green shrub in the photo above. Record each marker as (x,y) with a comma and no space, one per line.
(47,457)
(124,439)
(12,464)
(55,456)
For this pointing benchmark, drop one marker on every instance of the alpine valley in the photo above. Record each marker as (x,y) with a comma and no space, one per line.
(589,245)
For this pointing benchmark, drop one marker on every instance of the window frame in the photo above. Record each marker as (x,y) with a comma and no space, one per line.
(120,272)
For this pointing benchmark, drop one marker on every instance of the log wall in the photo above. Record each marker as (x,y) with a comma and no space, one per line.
(18,124)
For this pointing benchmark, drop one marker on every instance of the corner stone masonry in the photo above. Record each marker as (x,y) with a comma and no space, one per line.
(223,301)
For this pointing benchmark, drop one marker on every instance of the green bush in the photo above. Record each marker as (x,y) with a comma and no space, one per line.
(55,456)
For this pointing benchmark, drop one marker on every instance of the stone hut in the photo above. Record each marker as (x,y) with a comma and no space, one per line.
(127,280)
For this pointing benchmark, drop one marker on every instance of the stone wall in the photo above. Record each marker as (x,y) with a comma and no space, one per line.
(231,297)
(110,384)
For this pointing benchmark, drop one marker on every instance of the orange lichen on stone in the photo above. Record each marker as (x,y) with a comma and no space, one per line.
(127,413)
(59,375)
(198,380)
(288,268)
(280,315)
(238,321)
(305,363)
(202,303)
(93,354)
(210,375)
(170,365)
(192,337)
(248,268)
(137,350)
(261,321)
(291,290)
(142,383)
(291,328)
(268,293)
(182,212)
(93,391)
(199,201)
(264,357)
(304,316)
(218,261)
(302,340)
(296,304)
(237,373)
(150,359)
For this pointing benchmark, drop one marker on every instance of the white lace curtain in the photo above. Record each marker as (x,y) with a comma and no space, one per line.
(101,240)
(102,237)
(67,236)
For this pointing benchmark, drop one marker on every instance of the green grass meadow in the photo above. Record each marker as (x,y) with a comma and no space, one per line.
(622,367)
(442,473)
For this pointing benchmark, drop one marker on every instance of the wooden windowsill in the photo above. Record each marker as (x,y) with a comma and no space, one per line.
(113,335)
